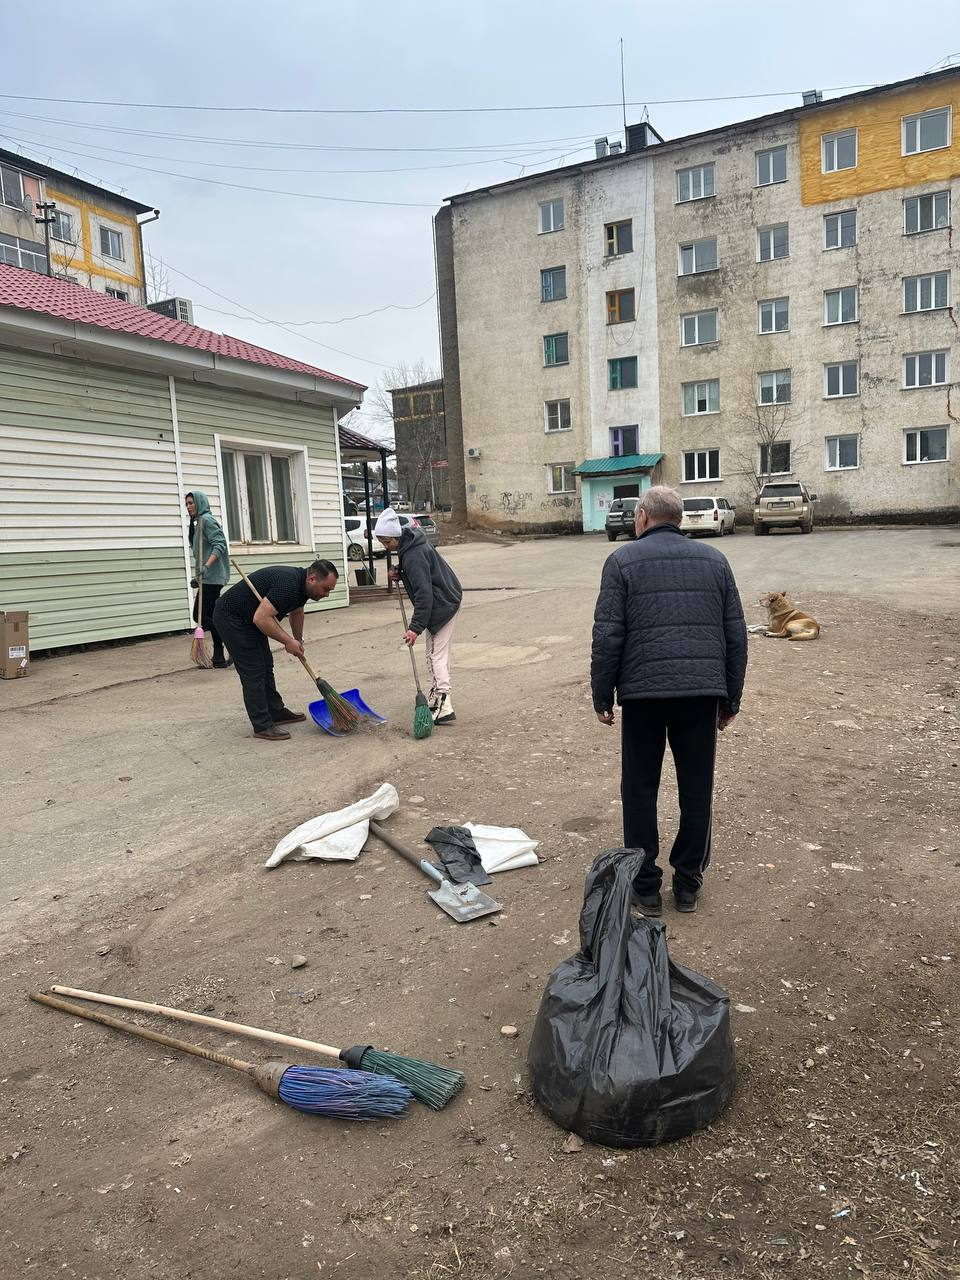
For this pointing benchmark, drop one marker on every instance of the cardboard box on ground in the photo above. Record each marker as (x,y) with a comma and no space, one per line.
(14,645)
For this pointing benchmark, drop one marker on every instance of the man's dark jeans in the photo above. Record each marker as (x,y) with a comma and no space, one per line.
(690,726)
(250,651)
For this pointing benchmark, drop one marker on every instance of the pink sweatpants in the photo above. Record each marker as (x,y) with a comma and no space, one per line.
(438,655)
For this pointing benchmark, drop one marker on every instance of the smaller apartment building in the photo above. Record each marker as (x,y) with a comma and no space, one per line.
(772,299)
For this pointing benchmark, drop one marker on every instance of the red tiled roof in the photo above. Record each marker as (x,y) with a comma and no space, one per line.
(46,295)
(354,440)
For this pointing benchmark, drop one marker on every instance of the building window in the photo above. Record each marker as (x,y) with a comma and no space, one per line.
(624,441)
(771,166)
(18,190)
(62,227)
(111,243)
(775,458)
(928,131)
(839,150)
(619,238)
(930,444)
(259,488)
(926,213)
(23,253)
(701,464)
(621,306)
(843,453)
(555,349)
(773,242)
(622,373)
(422,404)
(401,406)
(551,216)
(840,305)
(926,293)
(925,369)
(773,315)
(121,295)
(560,478)
(840,229)
(841,379)
(556,415)
(701,397)
(697,328)
(553,284)
(774,387)
(696,183)
(698,255)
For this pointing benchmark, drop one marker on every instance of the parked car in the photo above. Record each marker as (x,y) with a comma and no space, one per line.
(708,515)
(620,518)
(355,527)
(782,505)
(425,522)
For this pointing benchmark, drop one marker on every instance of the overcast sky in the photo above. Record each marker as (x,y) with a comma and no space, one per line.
(293,257)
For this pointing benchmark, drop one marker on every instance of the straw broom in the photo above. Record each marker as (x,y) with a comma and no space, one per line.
(198,650)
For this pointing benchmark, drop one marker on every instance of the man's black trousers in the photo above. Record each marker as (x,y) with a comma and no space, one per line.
(250,651)
(690,726)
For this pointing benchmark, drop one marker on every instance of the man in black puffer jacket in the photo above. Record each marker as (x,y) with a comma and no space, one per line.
(669,639)
(436,594)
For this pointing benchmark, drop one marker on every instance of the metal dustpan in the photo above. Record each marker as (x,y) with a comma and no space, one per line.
(461,902)
(320,712)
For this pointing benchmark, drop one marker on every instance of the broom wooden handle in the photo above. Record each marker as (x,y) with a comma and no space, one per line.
(201,566)
(117,1024)
(255,1033)
(413,661)
(309,670)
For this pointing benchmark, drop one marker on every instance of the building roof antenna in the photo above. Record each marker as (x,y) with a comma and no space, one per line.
(623,95)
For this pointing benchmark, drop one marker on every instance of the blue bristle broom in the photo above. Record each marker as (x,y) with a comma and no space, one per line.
(319,1091)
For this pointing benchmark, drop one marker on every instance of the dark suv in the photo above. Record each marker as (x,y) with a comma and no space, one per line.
(620,518)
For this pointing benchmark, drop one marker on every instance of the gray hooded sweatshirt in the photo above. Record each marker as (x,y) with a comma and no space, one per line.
(214,543)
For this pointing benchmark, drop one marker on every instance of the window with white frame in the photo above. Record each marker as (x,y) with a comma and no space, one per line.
(701,397)
(841,379)
(771,166)
(62,227)
(843,453)
(926,293)
(556,349)
(840,229)
(553,284)
(121,295)
(838,150)
(111,243)
(624,441)
(925,369)
(929,444)
(926,213)
(773,315)
(840,305)
(775,458)
(560,478)
(696,183)
(927,131)
(698,255)
(697,328)
(618,238)
(773,242)
(551,216)
(264,493)
(23,253)
(701,464)
(556,415)
(774,386)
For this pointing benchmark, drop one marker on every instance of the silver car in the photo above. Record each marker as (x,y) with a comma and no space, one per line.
(712,515)
(422,521)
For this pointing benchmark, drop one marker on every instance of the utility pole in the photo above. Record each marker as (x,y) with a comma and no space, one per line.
(47,208)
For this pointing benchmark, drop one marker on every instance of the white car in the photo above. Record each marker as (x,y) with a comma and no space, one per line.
(356,529)
(708,515)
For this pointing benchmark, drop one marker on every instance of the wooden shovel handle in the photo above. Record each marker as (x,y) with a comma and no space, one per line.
(309,670)
(238,1028)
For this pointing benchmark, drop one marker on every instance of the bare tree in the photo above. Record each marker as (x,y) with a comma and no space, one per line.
(420,440)
(157,279)
(768,418)
(379,402)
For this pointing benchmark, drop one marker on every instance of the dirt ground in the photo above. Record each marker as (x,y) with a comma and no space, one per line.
(138,817)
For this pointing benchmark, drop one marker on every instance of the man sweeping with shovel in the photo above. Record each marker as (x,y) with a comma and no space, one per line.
(436,594)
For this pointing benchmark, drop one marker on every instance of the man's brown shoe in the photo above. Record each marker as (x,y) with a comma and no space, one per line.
(289,717)
(271,735)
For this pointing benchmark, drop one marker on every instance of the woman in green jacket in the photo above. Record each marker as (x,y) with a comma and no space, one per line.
(211,565)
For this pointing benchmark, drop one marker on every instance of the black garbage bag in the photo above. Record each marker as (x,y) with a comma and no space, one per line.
(629,1049)
(455,848)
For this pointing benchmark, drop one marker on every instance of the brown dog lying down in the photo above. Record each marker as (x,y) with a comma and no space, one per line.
(784,622)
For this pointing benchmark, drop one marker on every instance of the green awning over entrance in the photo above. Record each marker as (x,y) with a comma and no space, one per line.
(612,466)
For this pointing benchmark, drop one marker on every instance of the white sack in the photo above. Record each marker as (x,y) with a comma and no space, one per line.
(503,848)
(336,836)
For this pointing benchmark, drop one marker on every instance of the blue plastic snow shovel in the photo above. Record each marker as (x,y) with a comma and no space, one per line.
(320,712)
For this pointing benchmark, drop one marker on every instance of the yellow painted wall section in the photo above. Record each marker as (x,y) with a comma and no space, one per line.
(85,261)
(881,166)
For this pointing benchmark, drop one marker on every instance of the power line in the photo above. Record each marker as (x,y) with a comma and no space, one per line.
(362,315)
(415,111)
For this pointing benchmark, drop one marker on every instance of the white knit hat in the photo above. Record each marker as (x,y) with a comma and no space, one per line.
(388,524)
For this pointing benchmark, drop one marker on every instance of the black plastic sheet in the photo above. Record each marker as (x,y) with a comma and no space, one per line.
(629,1049)
(455,848)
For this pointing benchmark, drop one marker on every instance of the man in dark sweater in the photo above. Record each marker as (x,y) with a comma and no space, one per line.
(436,593)
(248,625)
(669,639)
